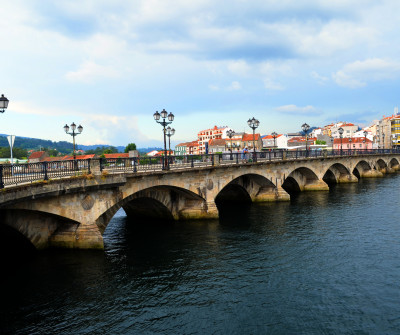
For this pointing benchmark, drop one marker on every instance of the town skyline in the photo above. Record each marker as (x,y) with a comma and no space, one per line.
(110,65)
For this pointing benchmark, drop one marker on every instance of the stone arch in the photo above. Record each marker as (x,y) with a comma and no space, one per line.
(394,164)
(338,173)
(381,165)
(157,202)
(249,187)
(42,229)
(303,179)
(363,169)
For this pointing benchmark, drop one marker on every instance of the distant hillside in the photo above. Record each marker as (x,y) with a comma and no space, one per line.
(62,146)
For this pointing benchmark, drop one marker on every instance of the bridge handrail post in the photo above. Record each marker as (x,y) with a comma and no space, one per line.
(44,167)
(1,176)
(237,157)
(297,152)
(134,164)
(191,161)
(212,159)
(88,164)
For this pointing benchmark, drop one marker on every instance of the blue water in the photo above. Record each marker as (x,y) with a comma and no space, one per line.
(325,263)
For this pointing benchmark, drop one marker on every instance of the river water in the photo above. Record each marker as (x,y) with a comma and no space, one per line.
(323,263)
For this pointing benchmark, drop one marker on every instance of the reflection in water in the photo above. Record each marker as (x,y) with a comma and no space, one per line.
(325,262)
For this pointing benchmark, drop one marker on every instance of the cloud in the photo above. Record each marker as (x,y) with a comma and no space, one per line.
(274,86)
(359,73)
(234,86)
(293,109)
(90,71)
(320,79)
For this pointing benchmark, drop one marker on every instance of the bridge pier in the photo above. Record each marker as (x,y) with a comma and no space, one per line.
(347,179)
(316,185)
(271,194)
(84,236)
(371,174)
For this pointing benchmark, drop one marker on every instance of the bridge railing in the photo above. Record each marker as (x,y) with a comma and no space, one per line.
(42,171)
(31,172)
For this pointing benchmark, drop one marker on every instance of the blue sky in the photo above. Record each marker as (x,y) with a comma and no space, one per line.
(109,65)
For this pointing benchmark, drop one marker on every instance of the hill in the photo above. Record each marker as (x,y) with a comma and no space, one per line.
(63,147)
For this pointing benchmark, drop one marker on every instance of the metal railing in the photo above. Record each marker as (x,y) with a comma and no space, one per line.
(42,171)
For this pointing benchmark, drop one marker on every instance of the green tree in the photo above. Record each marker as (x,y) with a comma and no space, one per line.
(320,142)
(130,147)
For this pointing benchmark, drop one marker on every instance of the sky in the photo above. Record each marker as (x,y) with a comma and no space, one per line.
(110,64)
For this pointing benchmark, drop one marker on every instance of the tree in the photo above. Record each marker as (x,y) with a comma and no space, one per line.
(130,147)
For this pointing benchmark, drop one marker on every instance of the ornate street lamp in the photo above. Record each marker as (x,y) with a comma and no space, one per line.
(253,124)
(350,140)
(169,132)
(3,103)
(164,123)
(274,136)
(230,134)
(305,127)
(73,133)
(383,135)
(365,138)
(341,131)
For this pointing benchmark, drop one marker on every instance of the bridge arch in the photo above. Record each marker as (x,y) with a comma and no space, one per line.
(381,165)
(394,164)
(337,173)
(42,229)
(250,187)
(303,179)
(361,169)
(162,202)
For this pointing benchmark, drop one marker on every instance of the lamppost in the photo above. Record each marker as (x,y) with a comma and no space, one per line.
(164,123)
(274,136)
(306,128)
(73,133)
(169,133)
(365,139)
(3,103)
(350,140)
(230,134)
(341,131)
(383,135)
(253,124)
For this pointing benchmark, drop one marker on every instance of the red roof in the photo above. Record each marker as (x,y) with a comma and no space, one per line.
(249,137)
(346,140)
(67,158)
(216,141)
(271,137)
(36,154)
(53,159)
(117,155)
(302,139)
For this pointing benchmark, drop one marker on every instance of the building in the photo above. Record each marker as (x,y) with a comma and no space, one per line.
(37,156)
(181,149)
(216,145)
(248,139)
(268,141)
(193,148)
(355,143)
(300,142)
(348,129)
(205,135)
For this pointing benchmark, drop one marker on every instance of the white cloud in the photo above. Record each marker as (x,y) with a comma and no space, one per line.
(359,73)
(274,86)
(293,109)
(90,71)
(319,78)
(234,86)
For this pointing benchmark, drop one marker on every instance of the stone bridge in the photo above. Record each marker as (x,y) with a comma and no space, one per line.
(74,212)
